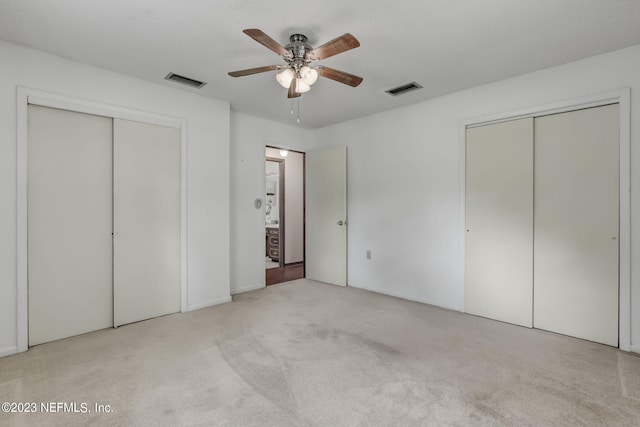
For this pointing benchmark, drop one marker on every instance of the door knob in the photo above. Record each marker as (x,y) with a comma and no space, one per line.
(341,222)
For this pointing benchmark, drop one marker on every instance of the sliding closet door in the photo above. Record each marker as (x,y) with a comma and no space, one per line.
(499,223)
(69,223)
(146,216)
(576,224)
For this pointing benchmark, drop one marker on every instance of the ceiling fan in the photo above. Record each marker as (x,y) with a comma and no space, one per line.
(298,75)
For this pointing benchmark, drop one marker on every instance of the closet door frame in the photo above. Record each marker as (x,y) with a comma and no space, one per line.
(622,97)
(26,96)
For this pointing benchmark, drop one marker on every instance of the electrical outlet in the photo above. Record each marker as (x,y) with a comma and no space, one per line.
(368,254)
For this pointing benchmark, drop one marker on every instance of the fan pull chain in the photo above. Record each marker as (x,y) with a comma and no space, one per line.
(298,110)
(292,107)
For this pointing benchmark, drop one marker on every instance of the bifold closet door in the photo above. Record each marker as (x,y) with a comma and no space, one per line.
(576,223)
(499,221)
(146,221)
(69,223)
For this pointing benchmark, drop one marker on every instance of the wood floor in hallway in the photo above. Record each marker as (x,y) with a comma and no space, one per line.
(284,274)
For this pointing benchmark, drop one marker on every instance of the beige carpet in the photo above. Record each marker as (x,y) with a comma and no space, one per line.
(307,354)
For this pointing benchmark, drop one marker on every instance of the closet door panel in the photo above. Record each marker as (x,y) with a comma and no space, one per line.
(69,223)
(146,192)
(576,224)
(499,221)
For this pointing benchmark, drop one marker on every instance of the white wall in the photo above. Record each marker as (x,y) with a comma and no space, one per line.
(294,204)
(294,237)
(249,137)
(403,178)
(208,165)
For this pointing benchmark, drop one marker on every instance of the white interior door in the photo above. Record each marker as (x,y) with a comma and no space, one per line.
(69,223)
(326,226)
(499,221)
(146,217)
(576,224)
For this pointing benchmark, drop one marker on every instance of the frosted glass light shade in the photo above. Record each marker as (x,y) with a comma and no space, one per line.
(285,77)
(309,75)
(302,87)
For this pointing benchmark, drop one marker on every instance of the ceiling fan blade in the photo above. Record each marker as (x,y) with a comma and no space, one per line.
(266,41)
(292,93)
(339,76)
(338,45)
(250,71)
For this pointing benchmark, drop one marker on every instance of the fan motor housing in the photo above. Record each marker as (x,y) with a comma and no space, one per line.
(298,46)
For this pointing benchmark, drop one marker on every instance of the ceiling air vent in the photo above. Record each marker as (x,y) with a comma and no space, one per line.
(403,89)
(185,80)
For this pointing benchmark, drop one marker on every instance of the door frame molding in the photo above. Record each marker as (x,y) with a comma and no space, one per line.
(26,96)
(623,98)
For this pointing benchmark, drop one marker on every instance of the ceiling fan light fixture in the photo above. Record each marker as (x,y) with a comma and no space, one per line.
(301,86)
(297,75)
(285,77)
(309,75)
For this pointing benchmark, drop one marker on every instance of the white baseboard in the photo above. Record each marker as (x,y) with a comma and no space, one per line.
(635,348)
(8,351)
(209,303)
(410,298)
(246,289)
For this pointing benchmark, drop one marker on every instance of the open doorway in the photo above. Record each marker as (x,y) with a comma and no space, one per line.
(284,215)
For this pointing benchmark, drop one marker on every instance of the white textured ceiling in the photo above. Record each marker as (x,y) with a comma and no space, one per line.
(444,45)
